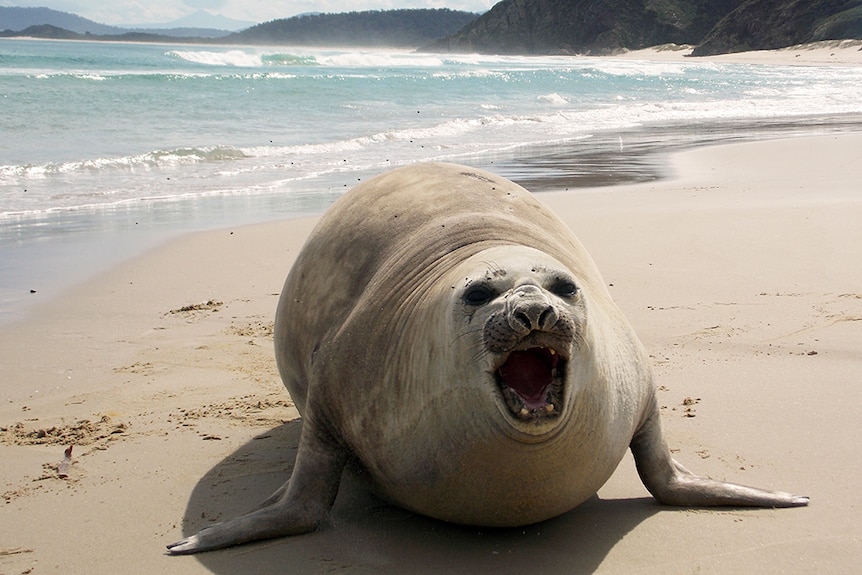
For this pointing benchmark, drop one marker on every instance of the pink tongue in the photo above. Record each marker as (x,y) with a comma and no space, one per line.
(528,374)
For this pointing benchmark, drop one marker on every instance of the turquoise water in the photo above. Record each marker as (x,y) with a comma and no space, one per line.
(108,147)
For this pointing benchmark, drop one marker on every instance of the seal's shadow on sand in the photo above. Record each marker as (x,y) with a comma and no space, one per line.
(367,535)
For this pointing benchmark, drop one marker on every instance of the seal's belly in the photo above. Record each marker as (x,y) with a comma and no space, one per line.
(500,484)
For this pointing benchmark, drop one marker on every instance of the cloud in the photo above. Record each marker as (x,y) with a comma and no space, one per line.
(132,12)
(205,4)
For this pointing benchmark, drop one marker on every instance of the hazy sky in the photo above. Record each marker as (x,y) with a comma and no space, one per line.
(120,12)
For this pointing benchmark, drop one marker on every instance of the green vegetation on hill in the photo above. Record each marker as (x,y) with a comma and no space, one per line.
(15,19)
(45,23)
(517,26)
(389,28)
(587,26)
(608,26)
(395,28)
(771,24)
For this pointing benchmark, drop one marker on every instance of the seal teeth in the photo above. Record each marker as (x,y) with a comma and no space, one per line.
(520,392)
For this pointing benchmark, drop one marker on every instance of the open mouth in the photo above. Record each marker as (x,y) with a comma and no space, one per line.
(531,381)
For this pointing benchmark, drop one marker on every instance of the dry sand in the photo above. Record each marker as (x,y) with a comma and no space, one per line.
(825,53)
(742,276)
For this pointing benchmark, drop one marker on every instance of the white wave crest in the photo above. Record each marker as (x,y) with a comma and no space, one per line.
(259,58)
(378,60)
(237,58)
(553,98)
(154,159)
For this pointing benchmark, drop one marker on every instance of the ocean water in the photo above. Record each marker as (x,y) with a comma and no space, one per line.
(108,148)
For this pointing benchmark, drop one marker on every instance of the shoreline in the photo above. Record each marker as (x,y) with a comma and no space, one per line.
(738,274)
(41,269)
(844,52)
(47,251)
(823,53)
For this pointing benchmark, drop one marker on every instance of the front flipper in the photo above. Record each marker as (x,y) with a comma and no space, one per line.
(672,484)
(296,507)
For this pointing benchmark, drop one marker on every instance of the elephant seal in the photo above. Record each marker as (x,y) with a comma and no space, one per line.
(446,332)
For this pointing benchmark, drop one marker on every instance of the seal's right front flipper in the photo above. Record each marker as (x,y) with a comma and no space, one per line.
(672,484)
(297,507)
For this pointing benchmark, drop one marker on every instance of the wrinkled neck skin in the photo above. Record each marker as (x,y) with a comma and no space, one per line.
(434,387)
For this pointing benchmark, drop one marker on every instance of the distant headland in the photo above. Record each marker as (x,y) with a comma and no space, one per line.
(524,27)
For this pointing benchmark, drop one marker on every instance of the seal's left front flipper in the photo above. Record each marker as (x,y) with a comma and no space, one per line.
(297,507)
(672,484)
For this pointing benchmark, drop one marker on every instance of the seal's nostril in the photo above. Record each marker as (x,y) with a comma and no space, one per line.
(548,318)
(530,314)
(523,320)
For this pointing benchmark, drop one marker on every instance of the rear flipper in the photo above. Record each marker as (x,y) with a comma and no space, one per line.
(297,507)
(672,484)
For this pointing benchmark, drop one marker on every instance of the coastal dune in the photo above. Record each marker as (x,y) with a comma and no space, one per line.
(823,53)
(740,273)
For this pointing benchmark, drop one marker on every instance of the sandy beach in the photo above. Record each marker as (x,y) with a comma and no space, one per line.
(825,53)
(740,274)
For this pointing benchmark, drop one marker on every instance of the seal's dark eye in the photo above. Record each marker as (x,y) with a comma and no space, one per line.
(564,288)
(478,294)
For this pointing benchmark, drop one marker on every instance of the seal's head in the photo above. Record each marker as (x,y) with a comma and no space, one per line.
(526,312)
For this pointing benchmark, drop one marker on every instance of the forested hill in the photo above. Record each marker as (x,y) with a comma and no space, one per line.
(608,26)
(768,25)
(587,26)
(394,28)
(48,23)
(388,28)
(518,27)
(13,18)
